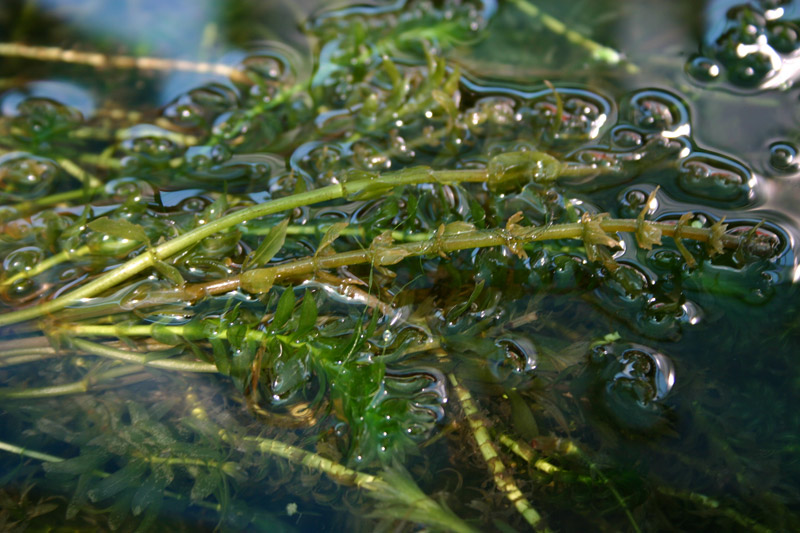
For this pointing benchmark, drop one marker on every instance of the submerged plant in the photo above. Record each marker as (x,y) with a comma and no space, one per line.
(371,284)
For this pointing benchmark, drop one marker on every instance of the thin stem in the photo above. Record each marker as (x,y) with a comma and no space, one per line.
(142,359)
(58,198)
(502,477)
(149,257)
(100,61)
(527,453)
(33,454)
(47,458)
(77,387)
(87,179)
(714,505)
(597,50)
(46,264)
(440,243)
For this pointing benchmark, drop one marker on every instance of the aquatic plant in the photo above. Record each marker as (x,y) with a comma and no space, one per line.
(369,282)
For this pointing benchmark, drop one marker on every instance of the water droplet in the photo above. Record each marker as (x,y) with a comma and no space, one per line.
(22,259)
(626,137)
(783,157)
(658,111)
(632,380)
(703,69)
(715,177)
(150,144)
(40,120)
(26,176)
(199,107)
(129,188)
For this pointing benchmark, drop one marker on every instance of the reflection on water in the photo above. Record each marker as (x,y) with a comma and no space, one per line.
(648,385)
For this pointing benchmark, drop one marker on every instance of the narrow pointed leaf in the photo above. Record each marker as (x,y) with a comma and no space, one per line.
(169,272)
(331,235)
(308,315)
(270,246)
(284,309)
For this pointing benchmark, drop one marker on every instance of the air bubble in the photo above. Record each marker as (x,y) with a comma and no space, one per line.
(658,111)
(150,144)
(715,177)
(703,69)
(783,157)
(631,203)
(632,381)
(40,119)
(22,260)
(26,176)
(199,107)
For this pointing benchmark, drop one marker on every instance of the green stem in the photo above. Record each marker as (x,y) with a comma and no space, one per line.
(46,264)
(260,280)
(88,180)
(502,477)
(47,458)
(597,50)
(528,454)
(77,387)
(147,360)
(76,194)
(33,454)
(150,257)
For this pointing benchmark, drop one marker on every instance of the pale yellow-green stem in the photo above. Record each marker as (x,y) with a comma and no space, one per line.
(502,477)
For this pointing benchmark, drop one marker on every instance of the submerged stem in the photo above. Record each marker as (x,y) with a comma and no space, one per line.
(148,360)
(502,477)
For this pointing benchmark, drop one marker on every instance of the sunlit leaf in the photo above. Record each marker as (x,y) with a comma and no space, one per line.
(120,229)
(270,246)
(331,235)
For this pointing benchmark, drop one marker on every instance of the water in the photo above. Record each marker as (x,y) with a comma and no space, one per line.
(643,393)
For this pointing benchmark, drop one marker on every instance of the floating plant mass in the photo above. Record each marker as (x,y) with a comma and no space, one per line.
(378,289)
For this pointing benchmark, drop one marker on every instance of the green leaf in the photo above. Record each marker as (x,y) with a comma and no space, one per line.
(80,496)
(150,492)
(204,485)
(646,234)
(119,228)
(169,272)
(308,315)
(119,511)
(459,309)
(216,209)
(125,478)
(331,235)
(270,246)
(86,462)
(221,358)
(166,335)
(257,281)
(538,167)
(284,309)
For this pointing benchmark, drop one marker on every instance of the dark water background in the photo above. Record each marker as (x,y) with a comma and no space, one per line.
(737,388)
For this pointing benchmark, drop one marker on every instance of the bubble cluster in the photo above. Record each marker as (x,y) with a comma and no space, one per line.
(753,48)
(630,383)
